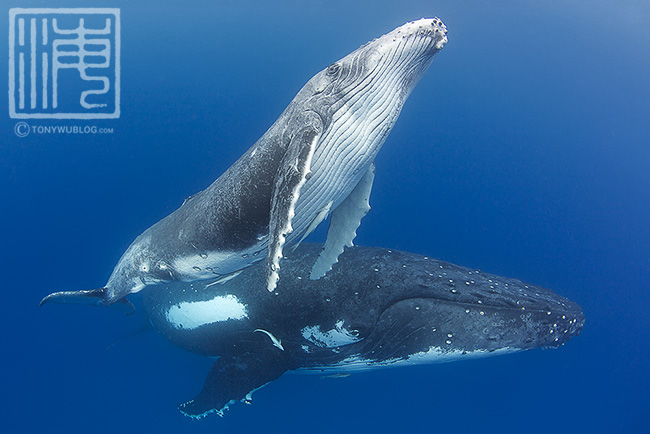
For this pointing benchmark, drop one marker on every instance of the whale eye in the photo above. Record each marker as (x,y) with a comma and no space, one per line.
(144,268)
(333,69)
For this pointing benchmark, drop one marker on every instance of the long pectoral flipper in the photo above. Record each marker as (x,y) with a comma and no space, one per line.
(344,222)
(233,379)
(292,174)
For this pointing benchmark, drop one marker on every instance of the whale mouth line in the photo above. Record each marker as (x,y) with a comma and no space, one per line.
(479,304)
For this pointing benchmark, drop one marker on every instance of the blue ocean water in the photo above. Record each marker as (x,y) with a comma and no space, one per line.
(524,151)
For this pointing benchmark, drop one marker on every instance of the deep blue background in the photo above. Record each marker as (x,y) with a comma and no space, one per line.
(524,151)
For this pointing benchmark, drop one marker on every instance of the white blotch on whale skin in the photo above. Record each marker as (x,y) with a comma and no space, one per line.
(336,337)
(191,315)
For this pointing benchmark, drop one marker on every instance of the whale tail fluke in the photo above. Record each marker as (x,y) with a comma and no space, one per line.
(87,296)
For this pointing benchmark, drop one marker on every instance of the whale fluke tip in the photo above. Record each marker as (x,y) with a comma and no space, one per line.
(87,296)
(90,296)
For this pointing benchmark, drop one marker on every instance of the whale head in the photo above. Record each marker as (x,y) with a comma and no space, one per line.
(470,323)
(369,86)
(410,309)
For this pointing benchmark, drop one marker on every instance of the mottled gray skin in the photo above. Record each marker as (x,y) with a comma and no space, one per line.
(230,224)
(395,304)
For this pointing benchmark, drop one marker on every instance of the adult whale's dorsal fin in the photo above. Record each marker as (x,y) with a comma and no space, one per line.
(294,170)
(344,223)
(233,379)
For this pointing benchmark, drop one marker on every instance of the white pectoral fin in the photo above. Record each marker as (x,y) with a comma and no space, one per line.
(292,174)
(344,222)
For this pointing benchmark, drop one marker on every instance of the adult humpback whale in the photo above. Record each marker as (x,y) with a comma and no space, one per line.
(315,160)
(376,308)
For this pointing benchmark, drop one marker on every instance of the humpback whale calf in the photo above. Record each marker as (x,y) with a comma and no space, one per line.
(315,160)
(376,308)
